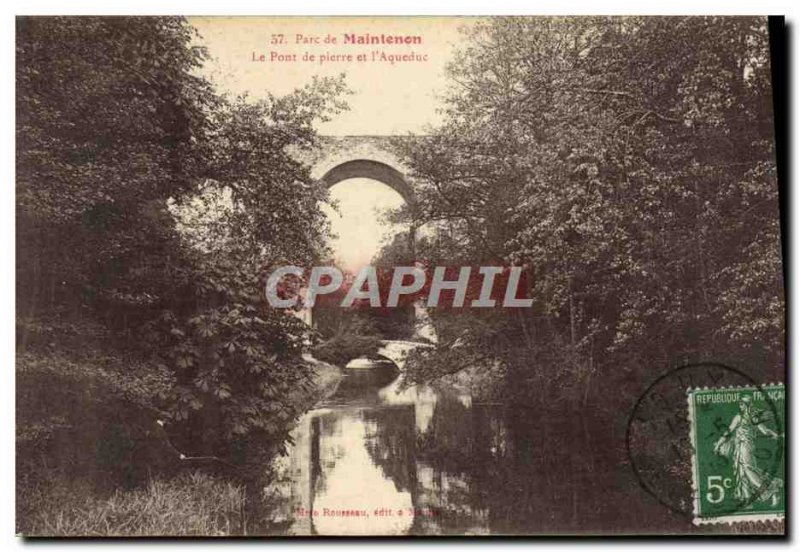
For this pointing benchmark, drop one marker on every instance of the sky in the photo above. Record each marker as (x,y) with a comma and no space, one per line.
(359,233)
(388,99)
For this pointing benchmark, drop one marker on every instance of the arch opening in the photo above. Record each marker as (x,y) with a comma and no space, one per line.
(374,170)
(391,177)
(358,224)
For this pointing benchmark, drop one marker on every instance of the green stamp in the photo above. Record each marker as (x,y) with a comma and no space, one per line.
(738,453)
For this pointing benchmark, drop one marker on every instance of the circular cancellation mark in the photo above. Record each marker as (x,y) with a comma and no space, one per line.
(658,437)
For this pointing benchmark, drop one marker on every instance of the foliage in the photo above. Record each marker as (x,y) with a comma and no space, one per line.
(122,151)
(628,165)
(108,117)
(238,360)
(362,319)
(84,409)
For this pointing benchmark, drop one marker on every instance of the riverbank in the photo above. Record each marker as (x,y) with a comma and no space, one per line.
(326,379)
(191,504)
(186,504)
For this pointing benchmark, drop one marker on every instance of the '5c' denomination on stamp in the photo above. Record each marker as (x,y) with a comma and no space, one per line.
(738,453)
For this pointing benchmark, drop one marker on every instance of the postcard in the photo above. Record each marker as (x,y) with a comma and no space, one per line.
(400,276)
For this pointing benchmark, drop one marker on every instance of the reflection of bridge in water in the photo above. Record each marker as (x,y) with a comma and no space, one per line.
(373,451)
(366,461)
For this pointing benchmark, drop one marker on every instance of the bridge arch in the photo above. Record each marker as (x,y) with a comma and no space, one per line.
(339,158)
(374,170)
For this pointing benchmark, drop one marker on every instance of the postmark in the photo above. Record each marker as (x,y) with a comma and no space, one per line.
(737,437)
(659,437)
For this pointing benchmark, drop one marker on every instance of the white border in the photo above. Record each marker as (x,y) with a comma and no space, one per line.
(790,8)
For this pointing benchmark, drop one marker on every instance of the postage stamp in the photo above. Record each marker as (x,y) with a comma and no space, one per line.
(737,436)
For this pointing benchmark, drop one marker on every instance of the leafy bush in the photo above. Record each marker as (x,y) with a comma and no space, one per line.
(84,408)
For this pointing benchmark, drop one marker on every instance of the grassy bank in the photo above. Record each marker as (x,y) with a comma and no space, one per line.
(190,504)
(51,503)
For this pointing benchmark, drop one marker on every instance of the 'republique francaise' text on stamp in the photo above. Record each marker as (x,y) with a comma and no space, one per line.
(738,453)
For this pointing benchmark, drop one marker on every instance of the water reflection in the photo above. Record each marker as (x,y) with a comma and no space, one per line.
(360,465)
(378,460)
(432,461)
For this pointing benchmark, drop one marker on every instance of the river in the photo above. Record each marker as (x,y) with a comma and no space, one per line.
(377,459)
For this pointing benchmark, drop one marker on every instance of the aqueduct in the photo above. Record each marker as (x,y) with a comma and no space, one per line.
(338,158)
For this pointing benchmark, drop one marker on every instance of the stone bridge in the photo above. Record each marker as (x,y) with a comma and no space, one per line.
(397,351)
(339,158)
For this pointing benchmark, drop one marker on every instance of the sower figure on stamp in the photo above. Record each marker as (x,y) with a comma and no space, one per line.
(738,444)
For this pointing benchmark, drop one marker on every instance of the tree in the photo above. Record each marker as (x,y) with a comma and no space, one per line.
(239,361)
(628,164)
(122,149)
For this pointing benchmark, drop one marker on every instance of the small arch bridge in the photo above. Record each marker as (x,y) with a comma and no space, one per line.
(397,350)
